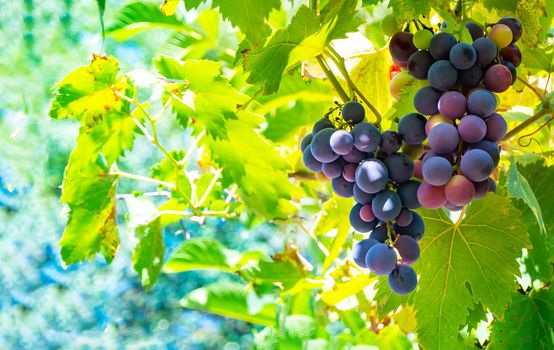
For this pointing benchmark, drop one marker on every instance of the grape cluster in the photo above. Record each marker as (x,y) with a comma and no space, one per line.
(370,166)
(463,129)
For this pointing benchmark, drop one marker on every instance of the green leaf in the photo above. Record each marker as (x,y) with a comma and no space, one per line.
(342,14)
(540,59)
(284,273)
(296,333)
(466,263)
(267,65)
(229,300)
(167,170)
(199,254)
(407,10)
(509,5)
(527,323)
(519,188)
(534,19)
(346,288)
(249,16)
(101,10)
(149,252)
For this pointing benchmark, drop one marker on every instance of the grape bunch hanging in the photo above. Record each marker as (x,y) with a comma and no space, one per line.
(463,129)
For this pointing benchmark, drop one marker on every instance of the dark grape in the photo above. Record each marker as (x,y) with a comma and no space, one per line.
(310,162)
(403,279)
(426,100)
(496,127)
(400,167)
(349,172)
(514,25)
(342,187)
(442,75)
(381,259)
(366,137)
(498,78)
(472,128)
(490,147)
(481,189)
(362,197)
(419,63)
(443,138)
(306,141)
(356,221)
(463,56)
(321,124)
(512,54)
(391,141)
(341,142)
(481,102)
(412,128)
(475,30)
(354,156)
(379,234)
(408,194)
(431,197)
(353,112)
(407,248)
(429,154)
(440,45)
(476,165)
(502,35)
(512,69)
(471,77)
(437,171)
(333,169)
(401,46)
(459,190)
(359,251)
(452,207)
(366,213)
(415,229)
(372,176)
(386,205)
(452,105)
(418,169)
(321,148)
(486,51)
(404,218)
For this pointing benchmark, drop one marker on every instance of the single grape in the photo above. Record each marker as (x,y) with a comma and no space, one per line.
(437,171)
(440,45)
(321,147)
(471,77)
(419,63)
(362,197)
(354,156)
(306,141)
(463,56)
(502,35)
(512,69)
(389,26)
(353,112)
(475,30)
(430,154)
(481,189)
(401,46)
(490,147)
(310,162)
(366,137)
(397,83)
(321,124)
(412,128)
(405,218)
(426,100)
(381,259)
(476,165)
(372,176)
(512,54)
(366,213)
(442,75)
(379,234)
(431,197)
(333,169)
(342,187)
(359,251)
(496,127)
(400,167)
(356,221)
(514,25)
(435,120)
(418,169)
(481,102)
(452,105)
(386,205)
(415,229)
(391,141)
(412,151)
(349,172)
(443,138)
(486,51)
(422,39)
(472,128)
(341,142)
(408,194)
(407,248)
(403,280)
(498,78)
(459,190)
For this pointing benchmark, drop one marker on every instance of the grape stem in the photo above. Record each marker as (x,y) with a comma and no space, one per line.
(526,123)
(332,78)
(461,217)
(534,89)
(339,62)
(169,185)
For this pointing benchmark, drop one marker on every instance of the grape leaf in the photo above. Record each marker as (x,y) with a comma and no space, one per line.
(527,323)
(199,254)
(283,272)
(149,252)
(167,170)
(228,299)
(342,15)
(534,19)
(465,263)
(346,288)
(509,5)
(407,10)
(518,187)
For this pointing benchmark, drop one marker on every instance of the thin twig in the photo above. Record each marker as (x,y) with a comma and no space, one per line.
(332,78)
(124,174)
(526,123)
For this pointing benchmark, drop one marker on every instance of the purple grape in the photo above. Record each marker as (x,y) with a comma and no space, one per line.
(476,165)
(408,249)
(401,46)
(391,141)
(405,218)
(463,56)
(359,251)
(379,234)
(496,127)
(481,102)
(408,194)
(362,197)
(321,148)
(472,128)
(415,229)
(481,189)
(366,137)
(459,191)
(306,141)
(366,213)
(498,78)
(403,280)
(412,128)
(512,69)
(475,30)
(437,171)
(419,63)
(400,167)
(357,223)
(341,142)
(511,53)
(386,205)
(443,138)
(470,78)
(431,197)
(490,147)
(321,124)
(353,112)
(452,105)
(333,169)
(426,100)
(440,45)
(492,185)
(310,162)
(372,176)
(349,172)
(486,51)
(381,259)
(342,187)
(354,156)
(442,75)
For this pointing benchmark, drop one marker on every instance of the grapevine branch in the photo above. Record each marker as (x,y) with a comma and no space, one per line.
(332,78)
(526,123)
(169,185)
(534,89)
